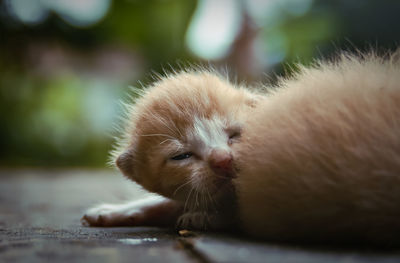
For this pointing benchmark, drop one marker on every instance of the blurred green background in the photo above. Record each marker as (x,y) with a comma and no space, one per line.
(66,64)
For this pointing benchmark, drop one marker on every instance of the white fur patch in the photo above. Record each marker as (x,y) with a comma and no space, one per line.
(208,134)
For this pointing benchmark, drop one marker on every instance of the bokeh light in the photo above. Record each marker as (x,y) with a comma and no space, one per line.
(80,13)
(27,11)
(213,28)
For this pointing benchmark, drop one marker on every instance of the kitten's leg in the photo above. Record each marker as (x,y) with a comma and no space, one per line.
(151,211)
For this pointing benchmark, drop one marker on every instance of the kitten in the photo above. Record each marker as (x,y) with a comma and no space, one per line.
(178,144)
(317,159)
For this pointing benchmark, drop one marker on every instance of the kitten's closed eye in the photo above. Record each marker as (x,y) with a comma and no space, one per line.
(233,136)
(182,156)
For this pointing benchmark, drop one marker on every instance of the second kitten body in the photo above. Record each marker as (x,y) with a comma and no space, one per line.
(320,159)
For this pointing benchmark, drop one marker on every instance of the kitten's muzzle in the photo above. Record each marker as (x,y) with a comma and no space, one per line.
(221,162)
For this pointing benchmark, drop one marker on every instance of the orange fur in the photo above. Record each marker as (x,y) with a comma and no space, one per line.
(159,122)
(324,155)
(316,159)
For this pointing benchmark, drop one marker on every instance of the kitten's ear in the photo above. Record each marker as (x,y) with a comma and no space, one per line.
(125,164)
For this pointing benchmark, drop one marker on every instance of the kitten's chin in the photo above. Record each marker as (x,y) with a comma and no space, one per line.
(221,184)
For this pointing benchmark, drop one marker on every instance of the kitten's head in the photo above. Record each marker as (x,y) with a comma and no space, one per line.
(181,133)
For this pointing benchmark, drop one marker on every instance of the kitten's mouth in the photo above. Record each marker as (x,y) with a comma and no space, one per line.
(223,178)
(227,175)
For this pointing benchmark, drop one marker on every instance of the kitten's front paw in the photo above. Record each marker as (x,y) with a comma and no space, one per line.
(193,220)
(109,215)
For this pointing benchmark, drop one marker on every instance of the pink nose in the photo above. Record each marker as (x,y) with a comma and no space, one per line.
(221,161)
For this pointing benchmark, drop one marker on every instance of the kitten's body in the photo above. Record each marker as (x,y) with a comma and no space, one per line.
(324,155)
(318,159)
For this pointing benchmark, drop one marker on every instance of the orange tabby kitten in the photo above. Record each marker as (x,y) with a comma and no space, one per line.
(316,159)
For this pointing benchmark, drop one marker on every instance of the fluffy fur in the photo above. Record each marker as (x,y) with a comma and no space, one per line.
(318,158)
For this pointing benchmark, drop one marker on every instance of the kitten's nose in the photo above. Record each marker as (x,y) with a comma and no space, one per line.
(221,162)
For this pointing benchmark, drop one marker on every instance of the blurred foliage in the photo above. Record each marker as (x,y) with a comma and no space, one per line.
(57,118)
(156,27)
(60,84)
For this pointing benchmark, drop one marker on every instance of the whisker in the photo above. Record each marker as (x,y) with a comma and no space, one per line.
(157,134)
(164,122)
(166,140)
(197,201)
(182,185)
(177,129)
(187,199)
(212,201)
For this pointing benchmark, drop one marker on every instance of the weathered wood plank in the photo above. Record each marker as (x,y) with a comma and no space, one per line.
(39,222)
(40,213)
(221,248)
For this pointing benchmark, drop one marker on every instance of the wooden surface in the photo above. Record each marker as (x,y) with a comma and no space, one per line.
(39,222)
